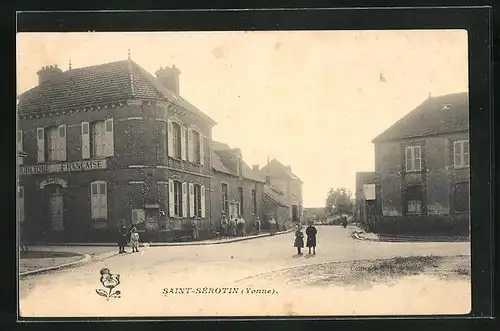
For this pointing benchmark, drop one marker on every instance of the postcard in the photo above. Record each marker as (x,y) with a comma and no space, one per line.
(245,173)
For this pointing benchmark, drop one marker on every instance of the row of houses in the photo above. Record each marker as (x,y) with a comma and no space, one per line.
(420,185)
(112,142)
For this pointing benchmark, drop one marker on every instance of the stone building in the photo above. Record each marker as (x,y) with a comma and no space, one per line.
(421,178)
(112,142)
(285,186)
(237,189)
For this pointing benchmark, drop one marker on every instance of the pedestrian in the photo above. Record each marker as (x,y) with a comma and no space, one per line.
(241,226)
(123,237)
(134,239)
(196,234)
(224,225)
(257,225)
(22,238)
(311,233)
(299,240)
(272,225)
(232,227)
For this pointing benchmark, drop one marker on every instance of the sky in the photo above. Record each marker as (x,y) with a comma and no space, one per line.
(313,100)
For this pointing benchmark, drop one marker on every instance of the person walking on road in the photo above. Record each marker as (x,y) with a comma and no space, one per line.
(123,237)
(311,233)
(299,240)
(134,239)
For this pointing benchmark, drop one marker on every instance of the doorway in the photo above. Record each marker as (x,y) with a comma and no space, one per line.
(56,211)
(295,213)
(233,210)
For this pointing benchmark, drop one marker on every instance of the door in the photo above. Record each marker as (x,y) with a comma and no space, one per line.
(233,210)
(56,212)
(295,213)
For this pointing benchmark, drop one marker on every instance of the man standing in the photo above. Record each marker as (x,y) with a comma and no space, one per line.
(241,226)
(123,237)
(196,234)
(224,225)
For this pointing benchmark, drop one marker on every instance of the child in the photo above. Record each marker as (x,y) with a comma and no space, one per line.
(299,240)
(134,239)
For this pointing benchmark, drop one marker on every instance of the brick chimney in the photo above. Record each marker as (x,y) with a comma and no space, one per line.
(255,167)
(49,74)
(169,77)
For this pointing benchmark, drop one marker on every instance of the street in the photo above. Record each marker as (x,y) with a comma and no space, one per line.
(150,281)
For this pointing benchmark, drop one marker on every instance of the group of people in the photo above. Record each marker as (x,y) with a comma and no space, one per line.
(233,227)
(126,235)
(311,233)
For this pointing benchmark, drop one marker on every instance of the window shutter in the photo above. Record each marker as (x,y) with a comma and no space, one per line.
(85,140)
(202,192)
(162,141)
(183,142)
(61,143)
(457,146)
(184,199)
(191,200)
(417,158)
(103,197)
(109,138)
(94,203)
(21,203)
(170,140)
(40,139)
(171,209)
(20,145)
(202,150)
(190,155)
(408,158)
(465,150)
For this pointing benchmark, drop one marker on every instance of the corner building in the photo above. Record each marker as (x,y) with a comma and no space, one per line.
(108,143)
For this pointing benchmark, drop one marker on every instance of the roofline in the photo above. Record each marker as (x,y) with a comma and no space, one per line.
(233,175)
(377,140)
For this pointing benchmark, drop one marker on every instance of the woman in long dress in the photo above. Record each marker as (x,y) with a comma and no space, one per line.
(311,237)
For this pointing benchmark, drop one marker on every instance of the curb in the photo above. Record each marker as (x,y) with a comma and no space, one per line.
(85,258)
(189,243)
(404,239)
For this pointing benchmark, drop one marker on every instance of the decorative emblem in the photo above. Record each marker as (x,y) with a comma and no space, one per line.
(109,281)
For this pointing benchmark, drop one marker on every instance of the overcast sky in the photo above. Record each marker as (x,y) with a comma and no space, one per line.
(313,100)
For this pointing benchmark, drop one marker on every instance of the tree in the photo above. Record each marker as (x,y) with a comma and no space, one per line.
(338,202)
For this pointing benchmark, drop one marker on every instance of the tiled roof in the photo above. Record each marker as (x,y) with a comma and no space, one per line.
(274,196)
(436,115)
(98,85)
(221,161)
(280,167)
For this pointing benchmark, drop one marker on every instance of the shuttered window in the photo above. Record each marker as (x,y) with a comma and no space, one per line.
(99,200)
(98,144)
(176,140)
(177,198)
(461,153)
(413,158)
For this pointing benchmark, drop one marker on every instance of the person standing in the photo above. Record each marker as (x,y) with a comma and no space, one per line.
(299,240)
(241,225)
(272,226)
(134,239)
(232,227)
(196,234)
(257,225)
(224,225)
(123,237)
(311,233)
(22,238)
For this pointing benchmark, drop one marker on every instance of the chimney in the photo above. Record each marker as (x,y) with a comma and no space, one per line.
(255,167)
(49,74)
(169,77)
(289,168)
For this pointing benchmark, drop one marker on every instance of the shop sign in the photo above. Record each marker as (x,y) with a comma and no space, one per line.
(64,167)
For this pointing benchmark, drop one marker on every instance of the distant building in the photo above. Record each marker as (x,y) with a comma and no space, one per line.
(283,185)
(421,179)
(312,214)
(237,188)
(107,143)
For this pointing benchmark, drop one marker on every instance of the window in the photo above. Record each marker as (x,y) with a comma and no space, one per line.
(414,199)
(254,201)
(197,200)
(461,153)
(98,142)
(196,147)
(138,216)
(176,138)
(413,158)
(51,139)
(178,199)
(224,200)
(240,195)
(54,141)
(461,201)
(20,203)
(99,200)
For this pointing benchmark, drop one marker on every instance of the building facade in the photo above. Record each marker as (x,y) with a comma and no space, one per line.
(282,181)
(109,143)
(237,188)
(421,178)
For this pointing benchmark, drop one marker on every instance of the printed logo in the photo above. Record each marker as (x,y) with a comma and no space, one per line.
(109,281)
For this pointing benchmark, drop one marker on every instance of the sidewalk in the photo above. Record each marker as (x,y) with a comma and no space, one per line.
(42,260)
(360,234)
(187,243)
